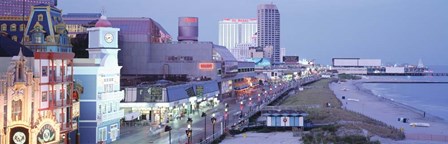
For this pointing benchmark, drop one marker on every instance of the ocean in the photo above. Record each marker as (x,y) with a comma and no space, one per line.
(431,98)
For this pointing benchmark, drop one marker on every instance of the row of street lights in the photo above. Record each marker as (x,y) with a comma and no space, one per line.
(189,131)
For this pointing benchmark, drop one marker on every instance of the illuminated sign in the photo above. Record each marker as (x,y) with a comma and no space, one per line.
(191,20)
(206,66)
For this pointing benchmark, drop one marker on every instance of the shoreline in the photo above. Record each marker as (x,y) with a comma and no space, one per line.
(388,111)
(428,115)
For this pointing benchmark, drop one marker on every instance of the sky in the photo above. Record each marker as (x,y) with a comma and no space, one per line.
(396,31)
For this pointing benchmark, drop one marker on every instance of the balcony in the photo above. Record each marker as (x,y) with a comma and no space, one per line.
(111,116)
(66,127)
(116,95)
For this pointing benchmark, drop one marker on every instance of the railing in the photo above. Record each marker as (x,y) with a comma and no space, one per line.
(431,137)
(66,126)
(111,116)
(116,95)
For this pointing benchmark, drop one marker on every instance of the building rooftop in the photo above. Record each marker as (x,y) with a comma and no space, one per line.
(10,48)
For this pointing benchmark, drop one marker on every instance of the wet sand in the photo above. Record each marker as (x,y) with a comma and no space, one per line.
(388,111)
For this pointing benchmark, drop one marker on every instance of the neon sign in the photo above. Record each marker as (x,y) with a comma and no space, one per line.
(206,66)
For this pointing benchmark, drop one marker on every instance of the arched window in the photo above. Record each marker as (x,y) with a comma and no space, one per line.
(14,38)
(13,27)
(4,27)
(40,17)
(22,27)
(17,110)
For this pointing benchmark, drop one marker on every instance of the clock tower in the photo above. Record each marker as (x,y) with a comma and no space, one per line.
(103,42)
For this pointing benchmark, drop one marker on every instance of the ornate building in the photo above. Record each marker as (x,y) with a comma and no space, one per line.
(20,98)
(48,112)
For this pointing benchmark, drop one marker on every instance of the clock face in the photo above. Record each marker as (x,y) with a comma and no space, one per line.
(108,37)
(19,138)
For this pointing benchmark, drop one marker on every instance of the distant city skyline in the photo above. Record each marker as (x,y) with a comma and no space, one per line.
(400,31)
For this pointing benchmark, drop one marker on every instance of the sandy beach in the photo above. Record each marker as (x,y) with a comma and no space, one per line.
(263,138)
(388,111)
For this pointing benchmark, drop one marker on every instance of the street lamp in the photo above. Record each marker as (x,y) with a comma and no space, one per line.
(213,119)
(205,124)
(189,132)
(241,108)
(250,104)
(168,129)
(225,118)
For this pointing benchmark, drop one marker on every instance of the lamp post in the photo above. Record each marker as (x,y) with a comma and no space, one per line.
(168,129)
(189,133)
(205,124)
(241,108)
(225,118)
(213,119)
(250,104)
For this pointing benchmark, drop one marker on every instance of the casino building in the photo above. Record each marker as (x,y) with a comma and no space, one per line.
(37,91)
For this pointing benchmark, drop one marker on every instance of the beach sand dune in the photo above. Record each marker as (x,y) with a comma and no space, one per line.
(389,111)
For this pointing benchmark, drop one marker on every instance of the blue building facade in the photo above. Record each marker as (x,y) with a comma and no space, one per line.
(100,113)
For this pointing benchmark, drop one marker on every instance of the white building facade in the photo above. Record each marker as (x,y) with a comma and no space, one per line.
(100,77)
(237,31)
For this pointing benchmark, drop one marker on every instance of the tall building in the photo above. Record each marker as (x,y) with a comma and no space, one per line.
(99,75)
(269,29)
(21,7)
(237,31)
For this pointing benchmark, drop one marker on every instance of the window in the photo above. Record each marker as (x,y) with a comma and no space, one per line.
(22,27)
(102,134)
(14,38)
(44,71)
(4,27)
(108,87)
(44,96)
(13,27)
(99,109)
(40,17)
(17,110)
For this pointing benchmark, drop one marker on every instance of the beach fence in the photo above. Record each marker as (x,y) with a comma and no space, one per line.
(430,137)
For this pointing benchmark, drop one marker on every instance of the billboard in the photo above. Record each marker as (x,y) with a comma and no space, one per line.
(290,59)
(190,92)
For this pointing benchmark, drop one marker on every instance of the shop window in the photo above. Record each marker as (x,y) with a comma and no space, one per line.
(4,27)
(40,17)
(13,27)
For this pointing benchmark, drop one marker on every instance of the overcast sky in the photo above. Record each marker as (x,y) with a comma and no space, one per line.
(396,31)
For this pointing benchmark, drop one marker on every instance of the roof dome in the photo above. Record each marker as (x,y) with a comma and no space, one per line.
(103,22)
